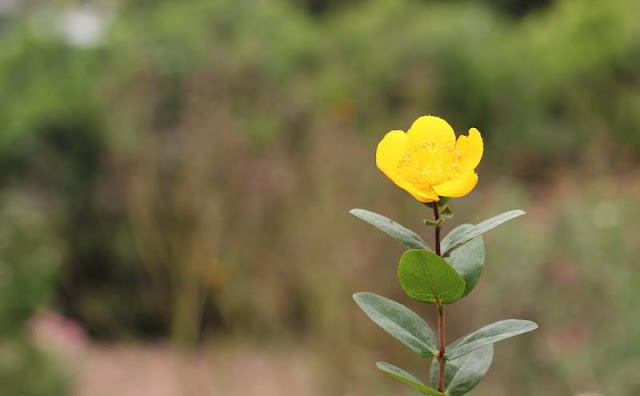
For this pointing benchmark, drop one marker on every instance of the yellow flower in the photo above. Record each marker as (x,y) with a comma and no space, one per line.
(428,162)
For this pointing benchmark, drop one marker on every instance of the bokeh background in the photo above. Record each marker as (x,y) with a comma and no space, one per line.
(175,180)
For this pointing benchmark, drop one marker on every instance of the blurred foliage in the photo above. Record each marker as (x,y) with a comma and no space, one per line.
(26,370)
(30,256)
(193,170)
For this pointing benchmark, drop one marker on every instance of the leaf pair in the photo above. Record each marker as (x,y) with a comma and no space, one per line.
(463,250)
(410,329)
(469,357)
(413,241)
(461,375)
(407,327)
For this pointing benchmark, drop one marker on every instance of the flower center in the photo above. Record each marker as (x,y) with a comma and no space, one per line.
(430,163)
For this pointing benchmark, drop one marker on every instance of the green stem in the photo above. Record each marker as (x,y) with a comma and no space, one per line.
(442,361)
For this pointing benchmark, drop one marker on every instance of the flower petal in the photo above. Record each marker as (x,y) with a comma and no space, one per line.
(458,187)
(431,129)
(470,148)
(423,196)
(390,151)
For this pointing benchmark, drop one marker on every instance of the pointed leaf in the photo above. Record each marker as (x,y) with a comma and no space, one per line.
(434,223)
(462,375)
(446,212)
(400,322)
(407,378)
(468,259)
(488,335)
(401,234)
(480,229)
(426,277)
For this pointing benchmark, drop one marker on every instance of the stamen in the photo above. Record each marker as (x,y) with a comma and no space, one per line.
(429,163)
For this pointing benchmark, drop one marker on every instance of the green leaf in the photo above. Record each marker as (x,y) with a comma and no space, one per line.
(462,375)
(401,234)
(426,277)
(488,335)
(399,321)
(446,212)
(434,223)
(479,229)
(467,260)
(407,378)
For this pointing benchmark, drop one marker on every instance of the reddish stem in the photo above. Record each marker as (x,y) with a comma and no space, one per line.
(442,361)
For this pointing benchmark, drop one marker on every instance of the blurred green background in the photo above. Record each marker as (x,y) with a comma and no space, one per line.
(176,177)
